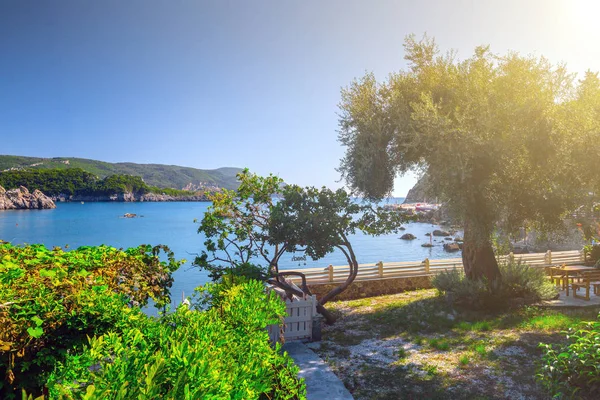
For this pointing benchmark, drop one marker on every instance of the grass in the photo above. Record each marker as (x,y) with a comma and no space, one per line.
(415,345)
(439,344)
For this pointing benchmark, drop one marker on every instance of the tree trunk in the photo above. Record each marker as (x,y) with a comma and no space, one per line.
(478,256)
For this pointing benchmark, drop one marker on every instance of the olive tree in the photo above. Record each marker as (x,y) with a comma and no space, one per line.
(499,138)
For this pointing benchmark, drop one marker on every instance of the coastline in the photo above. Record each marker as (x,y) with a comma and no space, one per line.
(129,198)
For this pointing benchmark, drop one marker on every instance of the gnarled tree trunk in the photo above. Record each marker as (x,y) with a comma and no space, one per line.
(478,256)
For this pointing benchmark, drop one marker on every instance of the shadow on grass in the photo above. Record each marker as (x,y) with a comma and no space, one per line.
(407,382)
(434,314)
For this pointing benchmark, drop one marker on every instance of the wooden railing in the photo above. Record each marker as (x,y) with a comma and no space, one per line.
(407,269)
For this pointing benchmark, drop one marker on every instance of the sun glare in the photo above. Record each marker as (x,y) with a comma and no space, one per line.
(584,16)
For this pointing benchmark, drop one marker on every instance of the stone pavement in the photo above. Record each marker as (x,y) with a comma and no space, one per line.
(321,383)
(570,301)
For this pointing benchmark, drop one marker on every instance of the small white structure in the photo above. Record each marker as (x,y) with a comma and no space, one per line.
(298,325)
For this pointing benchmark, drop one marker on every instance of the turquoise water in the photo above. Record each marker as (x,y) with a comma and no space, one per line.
(92,224)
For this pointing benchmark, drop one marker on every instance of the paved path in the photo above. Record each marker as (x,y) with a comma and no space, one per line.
(570,301)
(321,383)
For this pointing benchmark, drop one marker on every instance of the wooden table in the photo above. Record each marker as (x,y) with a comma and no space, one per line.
(573,271)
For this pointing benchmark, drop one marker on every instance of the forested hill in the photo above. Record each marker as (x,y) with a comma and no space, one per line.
(159,175)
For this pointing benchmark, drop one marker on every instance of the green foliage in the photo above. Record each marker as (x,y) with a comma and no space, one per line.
(263,220)
(158,175)
(572,370)
(499,125)
(175,192)
(50,300)
(236,231)
(592,253)
(220,353)
(54,182)
(518,282)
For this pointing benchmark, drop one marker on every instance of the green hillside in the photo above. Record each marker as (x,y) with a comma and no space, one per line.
(164,176)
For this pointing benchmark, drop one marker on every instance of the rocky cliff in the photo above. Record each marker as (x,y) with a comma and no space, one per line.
(17,199)
(420,192)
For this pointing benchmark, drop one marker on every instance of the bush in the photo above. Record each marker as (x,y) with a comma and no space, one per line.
(221,353)
(51,300)
(592,253)
(519,283)
(573,369)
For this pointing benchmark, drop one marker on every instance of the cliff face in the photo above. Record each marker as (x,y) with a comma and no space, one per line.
(419,192)
(21,199)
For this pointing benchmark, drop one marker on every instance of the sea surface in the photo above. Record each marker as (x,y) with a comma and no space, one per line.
(92,224)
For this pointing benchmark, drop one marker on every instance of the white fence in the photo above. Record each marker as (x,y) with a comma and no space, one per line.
(299,321)
(407,269)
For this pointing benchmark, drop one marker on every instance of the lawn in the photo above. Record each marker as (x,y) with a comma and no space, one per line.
(414,345)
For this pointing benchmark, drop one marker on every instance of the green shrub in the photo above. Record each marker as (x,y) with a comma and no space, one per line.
(518,282)
(573,369)
(51,300)
(220,353)
(592,253)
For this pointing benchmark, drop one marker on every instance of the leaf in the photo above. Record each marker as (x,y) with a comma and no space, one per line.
(35,332)
(37,320)
(47,273)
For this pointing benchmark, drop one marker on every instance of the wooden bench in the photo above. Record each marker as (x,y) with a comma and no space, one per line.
(557,275)
(588,279)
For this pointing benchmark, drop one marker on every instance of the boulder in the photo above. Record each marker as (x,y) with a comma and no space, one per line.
(427,245)
(439,232)
(451,247)
(408,236)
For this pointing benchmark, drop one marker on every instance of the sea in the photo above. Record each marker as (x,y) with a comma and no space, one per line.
(175,224)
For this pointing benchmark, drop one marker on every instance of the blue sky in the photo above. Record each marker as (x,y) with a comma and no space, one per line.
(251,84)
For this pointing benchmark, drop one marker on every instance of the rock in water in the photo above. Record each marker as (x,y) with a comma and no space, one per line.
(451,247)
(439,232)
(408,236)
(18,199)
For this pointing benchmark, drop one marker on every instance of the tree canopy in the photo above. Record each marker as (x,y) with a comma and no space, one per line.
(503,138)
(247,231)
(76,181)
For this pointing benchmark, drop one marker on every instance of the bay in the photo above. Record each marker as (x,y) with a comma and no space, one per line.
(172,224)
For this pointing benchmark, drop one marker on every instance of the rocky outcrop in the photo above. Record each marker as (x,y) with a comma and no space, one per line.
(22,199)
(166,197)
(408,236)
(418,193)
(132,197)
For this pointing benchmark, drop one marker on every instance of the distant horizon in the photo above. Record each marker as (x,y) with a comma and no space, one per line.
(172,165)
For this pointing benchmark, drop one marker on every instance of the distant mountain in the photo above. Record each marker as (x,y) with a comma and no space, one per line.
(160,175)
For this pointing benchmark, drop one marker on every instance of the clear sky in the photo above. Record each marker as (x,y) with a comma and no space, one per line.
(252,84)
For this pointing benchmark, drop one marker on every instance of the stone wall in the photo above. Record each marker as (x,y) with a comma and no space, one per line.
(361,289)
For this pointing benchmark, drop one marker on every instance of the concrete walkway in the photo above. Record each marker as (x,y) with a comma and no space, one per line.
(570,301)
(321,383)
